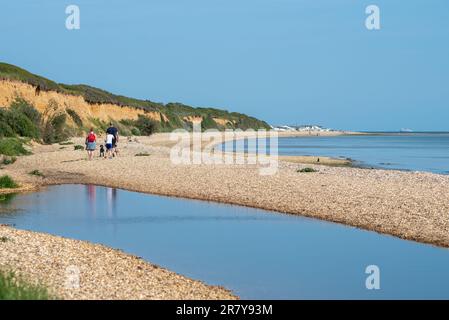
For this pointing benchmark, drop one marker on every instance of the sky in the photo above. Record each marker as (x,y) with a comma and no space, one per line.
(283,61)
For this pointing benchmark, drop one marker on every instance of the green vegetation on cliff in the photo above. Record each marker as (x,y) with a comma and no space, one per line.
(22,119)
(174,112)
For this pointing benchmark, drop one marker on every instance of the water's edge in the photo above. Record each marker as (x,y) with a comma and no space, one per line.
(176,231)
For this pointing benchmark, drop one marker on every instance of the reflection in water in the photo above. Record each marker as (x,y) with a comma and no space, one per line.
(7,198)
(111,195)
(91,196)
(110,201)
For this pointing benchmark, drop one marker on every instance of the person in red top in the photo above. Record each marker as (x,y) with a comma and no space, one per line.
(91,143)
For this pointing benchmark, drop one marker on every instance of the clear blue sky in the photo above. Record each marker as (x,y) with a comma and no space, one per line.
(285,61)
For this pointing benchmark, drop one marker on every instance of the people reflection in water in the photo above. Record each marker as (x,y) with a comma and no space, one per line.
(111,196)
(91,190)
(108,207)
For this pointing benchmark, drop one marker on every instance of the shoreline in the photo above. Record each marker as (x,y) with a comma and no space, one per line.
(409,205)
(100,272)
(306,159)
(63,166)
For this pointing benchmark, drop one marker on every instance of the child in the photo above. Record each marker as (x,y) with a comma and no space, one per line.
(109,146)
(101,151)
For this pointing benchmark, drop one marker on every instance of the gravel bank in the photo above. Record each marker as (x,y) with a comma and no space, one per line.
(104,273)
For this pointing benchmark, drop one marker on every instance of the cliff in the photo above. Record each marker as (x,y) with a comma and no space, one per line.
(96,106)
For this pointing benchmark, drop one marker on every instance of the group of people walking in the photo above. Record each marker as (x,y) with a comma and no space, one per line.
(110,143)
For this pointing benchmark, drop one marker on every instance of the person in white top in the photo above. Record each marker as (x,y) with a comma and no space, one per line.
(109,146)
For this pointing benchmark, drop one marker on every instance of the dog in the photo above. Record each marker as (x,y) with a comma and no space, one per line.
(101,151)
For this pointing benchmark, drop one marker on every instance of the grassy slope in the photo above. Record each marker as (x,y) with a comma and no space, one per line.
(14,288)
(175,112)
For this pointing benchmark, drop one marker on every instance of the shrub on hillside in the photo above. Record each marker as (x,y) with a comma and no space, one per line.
(127,122)
(208,123)
(21,124)
(12,147)
(135,132)
(26,108)
(21,119)
(53,128)
(146,126)
(99,125)
(15,121)
(75,117)
(5,128)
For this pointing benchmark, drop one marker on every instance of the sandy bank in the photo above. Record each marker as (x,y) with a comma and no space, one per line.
(74,269)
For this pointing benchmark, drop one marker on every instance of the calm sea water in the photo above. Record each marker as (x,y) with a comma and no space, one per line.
(405,151)
(255,253)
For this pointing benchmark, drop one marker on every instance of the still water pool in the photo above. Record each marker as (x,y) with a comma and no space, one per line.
(255,253)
